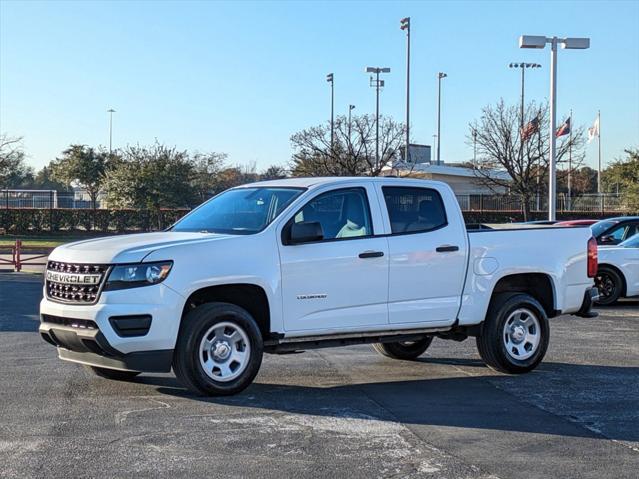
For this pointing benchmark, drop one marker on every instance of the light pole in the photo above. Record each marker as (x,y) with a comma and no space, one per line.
(377,83)
(435,145)
(523,67)
(329,78)
(536,41)
(440,75)
(350,109)
(405,25)
(110,111)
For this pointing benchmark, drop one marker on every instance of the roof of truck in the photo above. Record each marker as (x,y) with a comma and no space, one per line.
(307,182)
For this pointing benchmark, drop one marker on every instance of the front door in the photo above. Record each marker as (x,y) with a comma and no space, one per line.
(340,281)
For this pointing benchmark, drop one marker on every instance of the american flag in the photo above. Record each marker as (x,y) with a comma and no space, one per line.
(529,129)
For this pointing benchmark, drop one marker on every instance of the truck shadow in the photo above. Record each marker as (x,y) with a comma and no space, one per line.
(558,398)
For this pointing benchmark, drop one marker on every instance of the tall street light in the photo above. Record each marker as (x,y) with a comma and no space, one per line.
(110,111)
(405,25)
(377,83)
(440,75)
(329,78)
(536,41)
(523,67)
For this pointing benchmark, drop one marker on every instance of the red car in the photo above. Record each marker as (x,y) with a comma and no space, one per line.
(576,223)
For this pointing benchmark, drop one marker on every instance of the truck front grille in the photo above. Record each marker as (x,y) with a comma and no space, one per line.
(74,282)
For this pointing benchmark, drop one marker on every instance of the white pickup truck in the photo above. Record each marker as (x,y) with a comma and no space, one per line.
(294,264)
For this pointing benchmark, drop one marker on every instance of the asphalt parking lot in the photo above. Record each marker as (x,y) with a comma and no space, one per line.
(329,413)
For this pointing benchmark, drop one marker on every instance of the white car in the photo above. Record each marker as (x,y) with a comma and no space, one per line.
(293,264)
(618,272)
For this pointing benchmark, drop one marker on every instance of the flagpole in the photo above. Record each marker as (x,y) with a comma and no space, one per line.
(599,143)
(570,162)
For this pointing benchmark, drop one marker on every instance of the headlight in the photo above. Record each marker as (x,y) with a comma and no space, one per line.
(124,276)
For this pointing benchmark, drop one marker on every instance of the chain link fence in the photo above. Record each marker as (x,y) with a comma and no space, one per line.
(47,199)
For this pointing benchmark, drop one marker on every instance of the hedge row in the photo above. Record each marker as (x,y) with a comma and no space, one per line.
(25,221)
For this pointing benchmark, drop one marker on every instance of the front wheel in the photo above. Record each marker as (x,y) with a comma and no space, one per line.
(219,350)
(407,350)
(515,334)
(608,283)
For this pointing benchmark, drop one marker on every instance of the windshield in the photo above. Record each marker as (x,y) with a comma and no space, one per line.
(238,211)
(632,242)
(601,226)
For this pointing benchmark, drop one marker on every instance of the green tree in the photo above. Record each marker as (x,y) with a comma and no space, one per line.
(83,166)
(14,172)
(206,170)
(623,174)
(273,172)
(152,177)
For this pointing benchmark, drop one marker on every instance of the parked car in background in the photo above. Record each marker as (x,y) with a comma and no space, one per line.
(576,223)
(618,271)
(613,231)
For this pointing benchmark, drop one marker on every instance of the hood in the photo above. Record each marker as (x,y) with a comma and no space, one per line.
(126,248)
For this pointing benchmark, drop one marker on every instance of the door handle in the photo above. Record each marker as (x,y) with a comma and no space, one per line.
(446,248)
(371,254)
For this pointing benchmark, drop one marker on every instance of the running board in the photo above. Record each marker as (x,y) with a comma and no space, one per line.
(284,345)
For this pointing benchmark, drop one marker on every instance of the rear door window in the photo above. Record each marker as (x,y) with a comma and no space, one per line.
(414,210)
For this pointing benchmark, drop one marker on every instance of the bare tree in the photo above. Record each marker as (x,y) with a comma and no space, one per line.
(503,146)
(354,147)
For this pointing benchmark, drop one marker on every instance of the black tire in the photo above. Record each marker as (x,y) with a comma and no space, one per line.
(113,374)
(407,350)
(186,360)
(609,284)
(491,343)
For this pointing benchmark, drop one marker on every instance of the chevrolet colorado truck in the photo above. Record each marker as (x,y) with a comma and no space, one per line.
(294,264)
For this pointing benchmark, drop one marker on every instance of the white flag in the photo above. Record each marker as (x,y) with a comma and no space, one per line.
(593,131)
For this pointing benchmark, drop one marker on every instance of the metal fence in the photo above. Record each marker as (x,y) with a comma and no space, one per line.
(592,203)
(46,199)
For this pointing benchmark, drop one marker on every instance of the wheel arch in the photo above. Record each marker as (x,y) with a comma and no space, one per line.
(249,296)
(620,273)
(538,285)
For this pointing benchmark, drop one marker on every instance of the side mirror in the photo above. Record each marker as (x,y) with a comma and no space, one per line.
(306,232)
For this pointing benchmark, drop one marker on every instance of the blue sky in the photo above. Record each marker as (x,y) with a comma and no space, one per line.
(241,77)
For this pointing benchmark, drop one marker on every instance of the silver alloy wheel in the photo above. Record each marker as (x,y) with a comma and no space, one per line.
(522,334)
(225,351)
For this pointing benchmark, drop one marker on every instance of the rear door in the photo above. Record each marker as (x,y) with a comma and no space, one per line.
(427,249)
(340,282)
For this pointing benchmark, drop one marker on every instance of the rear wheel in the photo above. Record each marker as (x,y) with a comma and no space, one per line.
(219,350)
(113,374)
(406,350)
(609,284)
(515,334)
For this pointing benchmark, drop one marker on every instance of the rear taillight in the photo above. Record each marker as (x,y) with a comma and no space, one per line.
(592,257)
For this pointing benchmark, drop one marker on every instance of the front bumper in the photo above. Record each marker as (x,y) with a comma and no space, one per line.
(89,334)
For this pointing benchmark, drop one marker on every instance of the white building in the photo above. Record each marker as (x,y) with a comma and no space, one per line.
(463,181)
